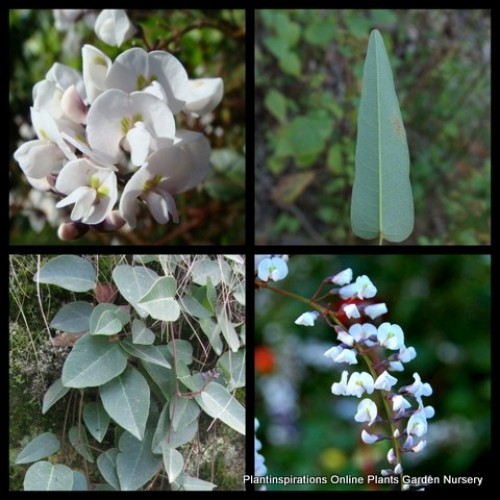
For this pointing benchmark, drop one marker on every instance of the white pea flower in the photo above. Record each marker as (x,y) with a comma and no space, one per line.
(340,388)
(351,311)
(135,69)
(275,269)
(362,288)
(360,383)
(362,332)
(346,356)
(376,310)
(367,411)
(418,388)
(391,457)
(307,318)
(344,337)
(385,381)
(167,171)
(399,402)
(95,67)
(203,95)
(417,424)
(92,189)
(113,27)
(368,438)
(419,447)
(137,122)
(406,354)
(259,466)
(342,278)
(390,336)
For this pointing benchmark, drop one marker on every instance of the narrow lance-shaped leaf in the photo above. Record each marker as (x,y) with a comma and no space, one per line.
(382,200)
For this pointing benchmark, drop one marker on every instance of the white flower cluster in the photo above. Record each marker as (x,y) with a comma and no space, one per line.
(271,267)
(360,339)
(260,468)
(113,125)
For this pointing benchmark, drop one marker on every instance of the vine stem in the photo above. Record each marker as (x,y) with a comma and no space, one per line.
(366,358)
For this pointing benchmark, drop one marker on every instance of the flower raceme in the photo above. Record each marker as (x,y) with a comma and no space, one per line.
(109,134)
(361,339)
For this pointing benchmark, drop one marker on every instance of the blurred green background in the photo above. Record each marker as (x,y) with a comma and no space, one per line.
(309,66)
(442,303)
(209,43)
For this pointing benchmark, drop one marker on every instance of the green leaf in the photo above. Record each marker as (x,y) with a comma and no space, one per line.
(183,351)
(275,103)
(189,483)
(136,464)
(133,282)
(290,64)
(212,330)
(190,305)
(165,434)
(228,331)
(126,399)
(182,412)
(96,419)
(107,466)
(149,353)
(79,481)
(382,200)
(73,317)
(205,268)
(218,403)
(162,377)
(173,461)
(54,393)
(78,438)
(93,361)
(320,33)
(107,319)
(304,138)
(141,334)
(69,272)
(43,476)
(159,301)
(42,446)
(232,364)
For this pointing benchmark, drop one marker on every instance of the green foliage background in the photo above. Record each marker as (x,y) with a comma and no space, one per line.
(209,43)
(309,66)
(443,304)
(34,364)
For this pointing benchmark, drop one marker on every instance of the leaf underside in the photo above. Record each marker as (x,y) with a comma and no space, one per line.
(382,200)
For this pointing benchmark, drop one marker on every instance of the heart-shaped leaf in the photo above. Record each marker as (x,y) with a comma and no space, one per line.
(107,319)
(173,461)
(141,334)
(107,466)
(136,464)
(126,399)
(93,361)
(159,301)
(43,476)
(133,282)
(73,317)
(218,403)
(96,419)
(69,272)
